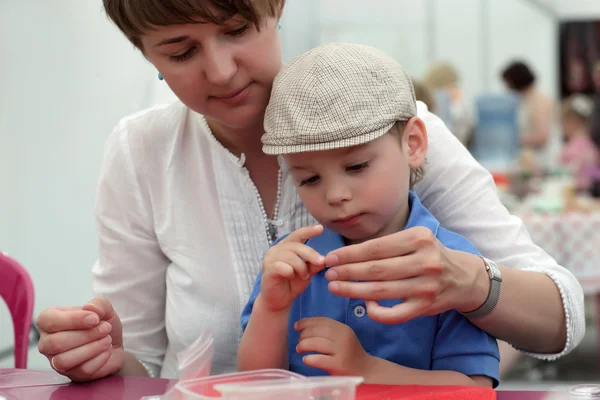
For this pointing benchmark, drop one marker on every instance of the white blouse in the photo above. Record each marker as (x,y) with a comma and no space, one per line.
(182,231)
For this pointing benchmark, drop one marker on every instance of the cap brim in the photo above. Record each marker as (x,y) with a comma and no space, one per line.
(294,148)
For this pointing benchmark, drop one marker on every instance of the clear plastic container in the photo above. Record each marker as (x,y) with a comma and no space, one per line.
(15,378)
(591,391)
(315,388)
(204,388)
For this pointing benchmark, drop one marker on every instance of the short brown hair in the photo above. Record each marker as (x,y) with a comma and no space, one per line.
(518,76)
(416,174)
(135,17)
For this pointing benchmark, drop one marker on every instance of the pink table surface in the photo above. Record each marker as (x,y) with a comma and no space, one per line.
(111,388)
(125,388)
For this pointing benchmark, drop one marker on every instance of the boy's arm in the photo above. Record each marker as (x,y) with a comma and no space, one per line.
(264,343)
(380,371)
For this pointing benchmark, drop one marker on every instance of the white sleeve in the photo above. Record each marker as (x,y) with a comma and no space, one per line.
(462,195)
(131,269)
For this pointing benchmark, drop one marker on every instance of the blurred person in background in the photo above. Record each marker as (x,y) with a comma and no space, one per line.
(535,113)
(444,82)
(579,153)
(595,130)
(423,94)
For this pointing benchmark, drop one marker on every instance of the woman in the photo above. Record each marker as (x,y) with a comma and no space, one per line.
(443,79)
(535,113)
(188,205)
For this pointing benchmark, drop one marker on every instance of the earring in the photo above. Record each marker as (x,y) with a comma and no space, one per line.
(279,25)
(160,77)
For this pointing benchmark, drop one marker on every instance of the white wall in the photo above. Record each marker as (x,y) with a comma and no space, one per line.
(67,76)
(478,36)
(578,9)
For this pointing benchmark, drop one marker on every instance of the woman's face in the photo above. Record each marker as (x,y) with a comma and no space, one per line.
(224,72)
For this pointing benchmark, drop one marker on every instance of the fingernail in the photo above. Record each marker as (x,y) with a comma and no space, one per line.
(334,287)
(107,341)
(91,320)
(105,328)
(332,259)
(331,275)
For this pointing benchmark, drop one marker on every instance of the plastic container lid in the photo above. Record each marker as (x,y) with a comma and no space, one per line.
(317,388)
(204,388)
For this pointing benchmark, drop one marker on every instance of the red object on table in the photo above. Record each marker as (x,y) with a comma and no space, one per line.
(415,392)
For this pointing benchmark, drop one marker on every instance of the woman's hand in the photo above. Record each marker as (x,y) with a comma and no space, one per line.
(412,265)
(82,343)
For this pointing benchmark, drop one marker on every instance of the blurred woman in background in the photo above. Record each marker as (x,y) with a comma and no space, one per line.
(535,114)
(443,81)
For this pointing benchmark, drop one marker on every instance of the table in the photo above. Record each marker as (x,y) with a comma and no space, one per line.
(133,388)
(572,239)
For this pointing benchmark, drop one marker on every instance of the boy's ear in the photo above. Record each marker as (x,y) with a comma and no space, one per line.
(415,136)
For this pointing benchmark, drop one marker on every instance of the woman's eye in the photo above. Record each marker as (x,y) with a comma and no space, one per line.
(311,180)
(357,167)
(239,31)
(184,56)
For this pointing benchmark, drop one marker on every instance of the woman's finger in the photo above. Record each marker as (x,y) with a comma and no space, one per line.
(405,311)
(379,270)
(386,290)
(90,369)
(394,245)
(56,319)
(61,342)
(79,355)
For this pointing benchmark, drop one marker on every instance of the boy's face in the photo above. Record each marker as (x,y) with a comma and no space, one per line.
(361,192)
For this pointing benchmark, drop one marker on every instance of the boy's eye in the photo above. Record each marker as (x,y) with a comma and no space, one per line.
(308,181)
(357,167)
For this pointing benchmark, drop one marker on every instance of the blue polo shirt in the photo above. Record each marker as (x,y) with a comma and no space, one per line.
(447,341)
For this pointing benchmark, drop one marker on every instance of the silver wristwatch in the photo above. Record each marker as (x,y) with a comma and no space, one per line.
(494,294)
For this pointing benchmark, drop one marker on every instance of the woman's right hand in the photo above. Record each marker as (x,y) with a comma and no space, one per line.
(82,343)
(288,267)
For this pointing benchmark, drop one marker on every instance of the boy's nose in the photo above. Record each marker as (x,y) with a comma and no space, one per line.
(338,194)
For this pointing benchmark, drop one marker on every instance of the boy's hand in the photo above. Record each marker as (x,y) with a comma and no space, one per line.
(340,351)
(288,267)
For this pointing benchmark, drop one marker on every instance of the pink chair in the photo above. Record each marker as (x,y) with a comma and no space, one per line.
(16,289)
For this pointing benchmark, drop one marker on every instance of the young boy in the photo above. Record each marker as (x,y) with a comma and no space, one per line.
(344,118)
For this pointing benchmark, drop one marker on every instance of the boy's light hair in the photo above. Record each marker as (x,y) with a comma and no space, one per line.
(136,17)
(416,174)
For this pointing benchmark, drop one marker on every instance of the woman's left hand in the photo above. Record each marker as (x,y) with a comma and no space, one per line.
(412,265)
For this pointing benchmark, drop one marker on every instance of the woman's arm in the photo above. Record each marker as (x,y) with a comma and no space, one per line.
(540,122)
(131,269)
(541,303)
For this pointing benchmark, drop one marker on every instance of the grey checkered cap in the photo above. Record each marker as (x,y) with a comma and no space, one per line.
(336,95)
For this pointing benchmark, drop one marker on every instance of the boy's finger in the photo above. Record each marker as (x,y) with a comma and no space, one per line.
(303,234)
